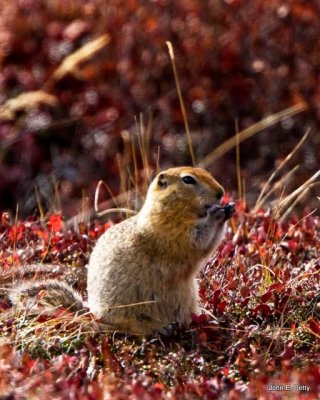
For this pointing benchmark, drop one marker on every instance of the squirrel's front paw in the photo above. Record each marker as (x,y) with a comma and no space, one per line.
(222,213)
(229,210)
(217,212)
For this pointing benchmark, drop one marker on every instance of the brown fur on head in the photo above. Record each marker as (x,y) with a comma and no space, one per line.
(182,194)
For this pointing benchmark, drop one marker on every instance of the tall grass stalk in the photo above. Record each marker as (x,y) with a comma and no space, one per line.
(182,106)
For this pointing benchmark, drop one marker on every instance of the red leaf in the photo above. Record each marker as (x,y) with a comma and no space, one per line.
(202,293)
(56,223)
(314,326)
(4,305)
(288,351)
(278,287)
(292,245)
(221,306)
(309,223)
(198,319)
(227,249)
(43,235)
(262,309)
(16,233)
(215,300)
(245,291)
(106,226)
(159,386)
(202,337)
(266,296)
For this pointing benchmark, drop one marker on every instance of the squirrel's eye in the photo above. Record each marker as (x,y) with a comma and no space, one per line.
(189,180)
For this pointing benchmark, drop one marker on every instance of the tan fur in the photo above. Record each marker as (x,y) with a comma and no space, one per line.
(141,273)
(153,257)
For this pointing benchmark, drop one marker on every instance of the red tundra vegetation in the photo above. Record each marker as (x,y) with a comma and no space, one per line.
(260,326)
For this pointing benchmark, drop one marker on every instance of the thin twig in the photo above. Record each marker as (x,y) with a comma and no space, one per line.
(116,210)
(71,63)
(182,106)
(291,197)
(282,182)
(238,160)
(281,165)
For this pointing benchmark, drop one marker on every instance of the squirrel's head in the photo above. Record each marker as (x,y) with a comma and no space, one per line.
(182,194)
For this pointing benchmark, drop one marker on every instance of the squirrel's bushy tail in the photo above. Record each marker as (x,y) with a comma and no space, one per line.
(50,293)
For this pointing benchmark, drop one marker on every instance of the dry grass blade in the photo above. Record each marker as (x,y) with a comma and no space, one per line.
(57,197)
(238,168)
(70,65)
(85,207)
(281,183)
(252,130)
(297,200)
(133,304)
(97,195)
(289,232)
(182,106)
(40,208)
(305,275)
(144,138)
(110,210)
(91,213)
(297,194)
(292,206)
(65,328)
(26,101)
(266,187)
(116,210)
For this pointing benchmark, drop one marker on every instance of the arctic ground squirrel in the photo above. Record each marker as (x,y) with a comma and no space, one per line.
(142,271)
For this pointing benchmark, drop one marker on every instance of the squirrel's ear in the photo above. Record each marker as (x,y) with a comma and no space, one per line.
(162,181)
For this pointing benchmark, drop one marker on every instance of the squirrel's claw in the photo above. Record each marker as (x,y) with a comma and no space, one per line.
(229,210)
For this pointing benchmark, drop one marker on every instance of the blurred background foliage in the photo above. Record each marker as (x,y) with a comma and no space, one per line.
(239,61)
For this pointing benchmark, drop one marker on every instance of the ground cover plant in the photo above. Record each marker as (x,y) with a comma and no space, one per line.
(261,321)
